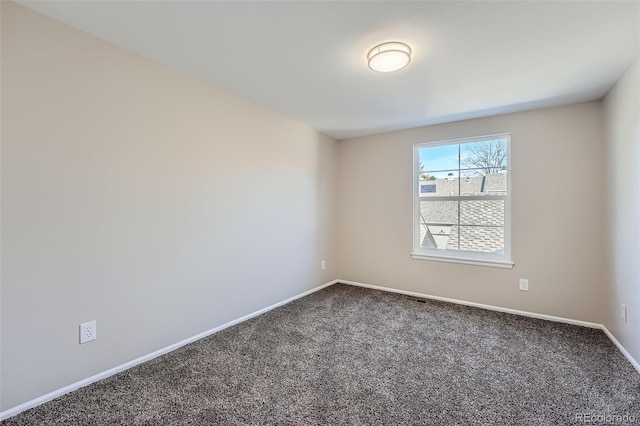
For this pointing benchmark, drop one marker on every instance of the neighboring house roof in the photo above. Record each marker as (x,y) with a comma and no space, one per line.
(494,183)
(481,222)
(428,241)
(477,238)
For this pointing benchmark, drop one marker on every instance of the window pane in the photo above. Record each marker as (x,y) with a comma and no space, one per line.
(477,182)
(482,226)
(489,156)
(437,219)
(440,184)
(439,158)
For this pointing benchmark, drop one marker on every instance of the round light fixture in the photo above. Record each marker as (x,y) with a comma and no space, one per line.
(389,57)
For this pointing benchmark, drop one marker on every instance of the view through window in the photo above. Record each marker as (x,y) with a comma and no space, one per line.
(461,199)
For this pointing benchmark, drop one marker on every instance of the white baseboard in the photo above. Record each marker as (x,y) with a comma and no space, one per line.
(477,305)
(82,383)
(627,355)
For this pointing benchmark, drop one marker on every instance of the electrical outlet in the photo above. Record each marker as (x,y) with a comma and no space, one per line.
(524,284)
(87,332)
(323,265)
(623,313)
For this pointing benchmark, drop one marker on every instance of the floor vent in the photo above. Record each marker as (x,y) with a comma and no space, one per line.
(415,299)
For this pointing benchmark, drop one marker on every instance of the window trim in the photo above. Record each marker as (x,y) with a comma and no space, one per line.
(463,257)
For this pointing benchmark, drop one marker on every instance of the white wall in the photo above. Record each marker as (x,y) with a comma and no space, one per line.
(559,225)
(146,200)
(622,112)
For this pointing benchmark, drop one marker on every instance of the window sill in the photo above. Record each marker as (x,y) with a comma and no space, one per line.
(504,264)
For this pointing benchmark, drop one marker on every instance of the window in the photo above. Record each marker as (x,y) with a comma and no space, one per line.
(462,201)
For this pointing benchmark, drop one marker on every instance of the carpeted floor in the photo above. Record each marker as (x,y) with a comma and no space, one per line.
(348,355)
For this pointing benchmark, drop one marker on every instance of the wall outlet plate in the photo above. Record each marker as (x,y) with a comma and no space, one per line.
(524,284)
(87,332)
(323,265)
(623,313)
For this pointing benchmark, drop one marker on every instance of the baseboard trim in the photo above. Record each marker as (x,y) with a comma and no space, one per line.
(622,349)
(626,353)
(100,376)
(477,305)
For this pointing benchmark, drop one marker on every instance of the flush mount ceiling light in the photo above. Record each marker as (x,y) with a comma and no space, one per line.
(389,57)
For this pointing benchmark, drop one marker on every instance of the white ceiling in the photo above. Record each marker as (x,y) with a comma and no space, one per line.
(307,60)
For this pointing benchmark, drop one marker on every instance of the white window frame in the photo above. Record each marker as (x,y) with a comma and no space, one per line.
(502,260)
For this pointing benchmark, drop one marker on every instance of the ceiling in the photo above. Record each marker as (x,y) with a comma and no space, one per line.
(307,60)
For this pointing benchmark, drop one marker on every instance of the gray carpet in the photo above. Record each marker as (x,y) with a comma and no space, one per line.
(347,355)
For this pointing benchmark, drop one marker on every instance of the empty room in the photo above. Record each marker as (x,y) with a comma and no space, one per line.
(320,212)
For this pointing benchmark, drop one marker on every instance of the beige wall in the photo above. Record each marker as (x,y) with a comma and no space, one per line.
(143,199)
(559,226)
(622,112)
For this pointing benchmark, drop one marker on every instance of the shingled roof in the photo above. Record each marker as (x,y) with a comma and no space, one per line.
(481,222)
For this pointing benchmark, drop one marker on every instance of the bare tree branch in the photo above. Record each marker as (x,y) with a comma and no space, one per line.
(490,157)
